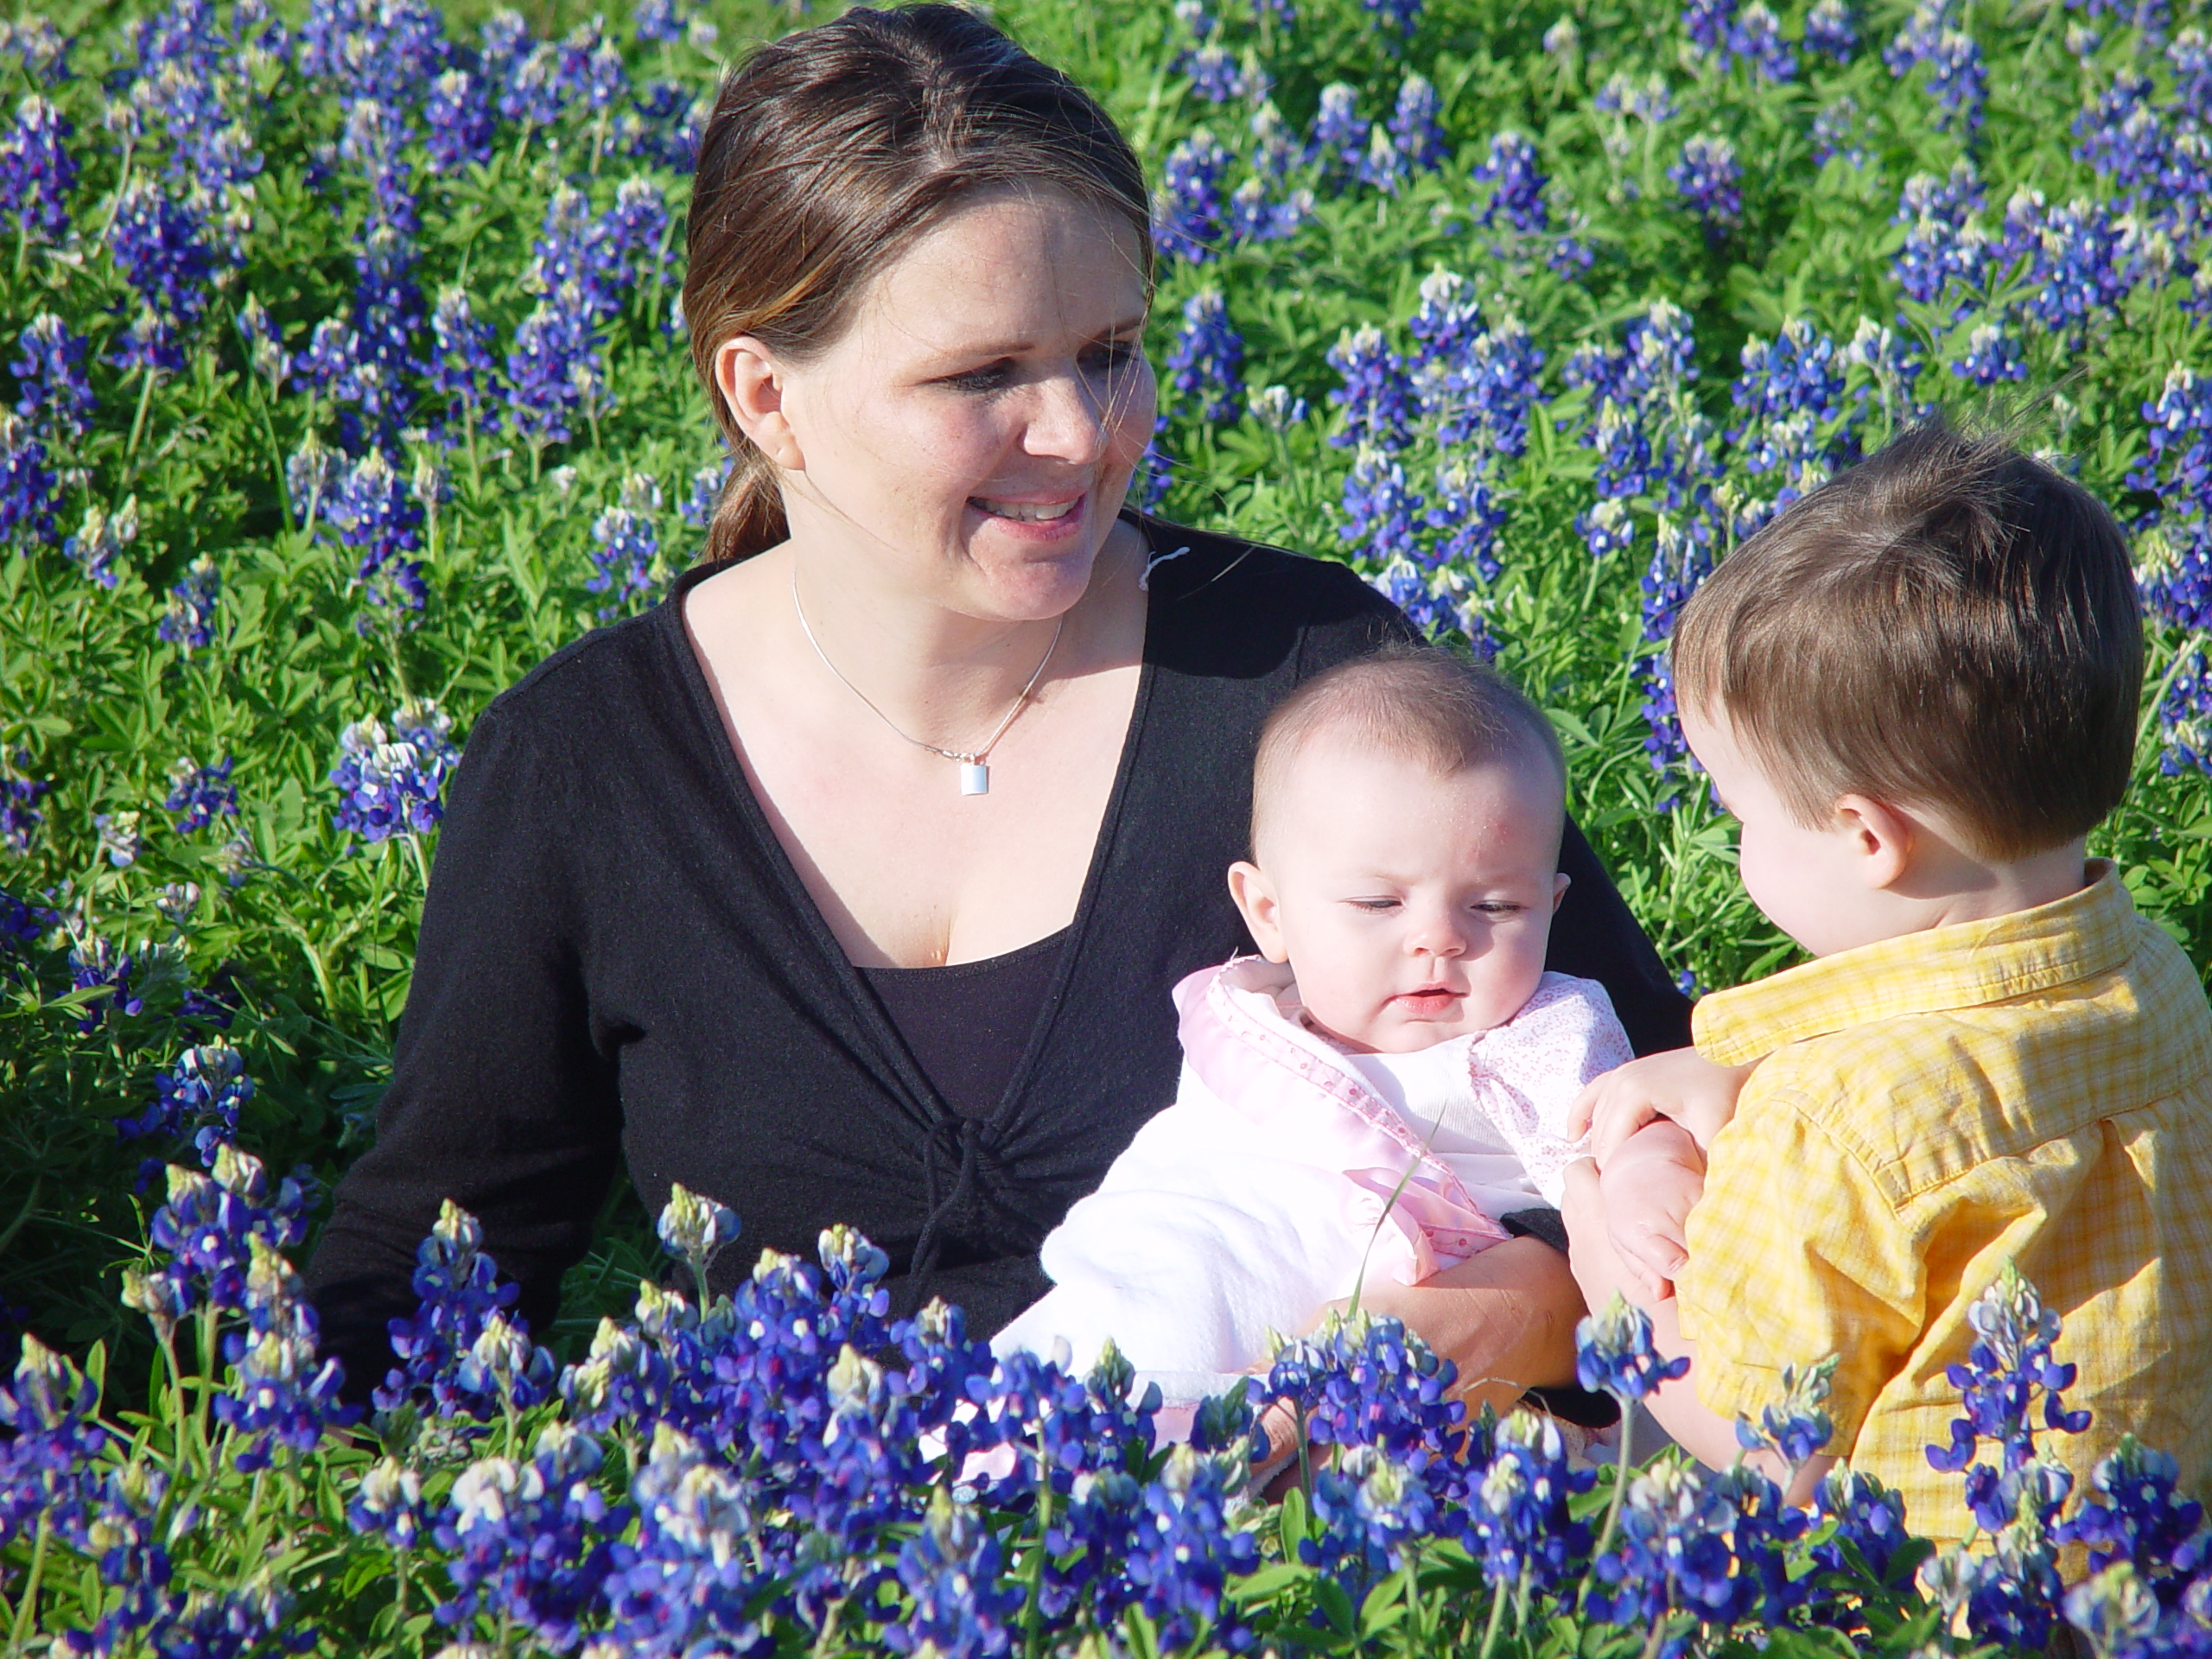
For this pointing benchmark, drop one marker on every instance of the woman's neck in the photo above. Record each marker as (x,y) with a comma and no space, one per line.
(938,673)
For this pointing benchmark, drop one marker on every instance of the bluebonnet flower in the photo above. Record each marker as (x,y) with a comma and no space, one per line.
(1796,1427)
(210,1222)
(42,49)
(2116,1610)
(2007,1366)
(1184,1548)
(1680,561)
(684,1584)
(388,785)
(706,483)
(54,1440)
(1992,355)
(553,367)
(1830,31)
(21,926)
(1469,511)
(1796,372)
(1706,23)
(464,368)
(1710,181)
(625,543)
(1607,527)
(1517,184)
(19,799)
(532,1542)
(1255,216)
(694,1229)
(118,1526)
(1890,365)
(26,486)
(1367,1380)
(1382,512)
(201,793)
(388,1502)
(308,473)
(373,511)
(1438,600)
(1446,323)
(1415,131)
(2185,717)
(1337,142)
(120,838)
(159,248)
(1755,36)
(2134,1511)
(1957,75)
(37,170)
(458,118)
(1516,1518)
(1370,1510)
(1868,1520)
(99,538)
(962,1607)
(1692,1541)
(1189,216)
(2076,264)
(189,620)
(1214,71)
(1376,396)
(264,345)
(1402,17)
(51,392)
(371,49)
(1206,355)
(1835,133)
(461,1303)
(280,1394)
(1276,408)
(95,965)
(1614,1353)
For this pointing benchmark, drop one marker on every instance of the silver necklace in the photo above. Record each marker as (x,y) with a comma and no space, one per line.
(975,763)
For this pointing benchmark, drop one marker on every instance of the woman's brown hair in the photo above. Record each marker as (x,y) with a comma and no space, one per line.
(829,153)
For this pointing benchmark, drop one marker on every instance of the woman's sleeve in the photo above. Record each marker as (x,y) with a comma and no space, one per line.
(499,1098)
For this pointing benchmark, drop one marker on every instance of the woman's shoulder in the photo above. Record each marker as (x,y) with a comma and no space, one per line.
(1216,595)
(607,689)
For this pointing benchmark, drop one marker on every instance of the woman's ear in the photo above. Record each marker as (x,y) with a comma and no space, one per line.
(751,381)
(1255,899)
(1882,838)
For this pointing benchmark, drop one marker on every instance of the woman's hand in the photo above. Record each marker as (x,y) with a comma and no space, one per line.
(1679,1084)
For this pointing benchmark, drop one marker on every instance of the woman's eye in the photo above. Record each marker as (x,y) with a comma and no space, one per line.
(992,376)
(1112,358)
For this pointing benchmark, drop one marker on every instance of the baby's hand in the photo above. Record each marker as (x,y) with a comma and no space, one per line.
(1647,1186)
(1677,1084)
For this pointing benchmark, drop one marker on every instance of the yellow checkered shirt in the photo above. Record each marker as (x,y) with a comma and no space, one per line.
(2038,1086)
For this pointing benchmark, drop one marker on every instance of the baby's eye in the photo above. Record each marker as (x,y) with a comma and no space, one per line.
(1500,907)
(1378,906)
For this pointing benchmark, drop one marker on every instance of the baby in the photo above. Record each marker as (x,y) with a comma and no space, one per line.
(1383,1087)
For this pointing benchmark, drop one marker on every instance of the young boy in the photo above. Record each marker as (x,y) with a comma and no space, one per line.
(1917,691)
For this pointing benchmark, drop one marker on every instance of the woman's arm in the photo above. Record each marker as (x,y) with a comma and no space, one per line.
(1505,1317)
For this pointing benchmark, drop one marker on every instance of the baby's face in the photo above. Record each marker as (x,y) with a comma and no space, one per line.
(1411,908)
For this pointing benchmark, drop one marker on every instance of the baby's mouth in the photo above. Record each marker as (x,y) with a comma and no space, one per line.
(1026,512)
(1430,999)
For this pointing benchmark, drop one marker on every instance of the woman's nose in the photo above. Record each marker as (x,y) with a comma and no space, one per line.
(1068,420)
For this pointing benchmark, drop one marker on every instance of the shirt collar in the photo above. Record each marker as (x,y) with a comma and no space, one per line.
(1967,964)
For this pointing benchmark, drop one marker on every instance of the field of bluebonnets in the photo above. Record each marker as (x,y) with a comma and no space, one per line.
(345,381)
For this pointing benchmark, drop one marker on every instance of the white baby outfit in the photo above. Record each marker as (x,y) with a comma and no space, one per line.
(1288,1171)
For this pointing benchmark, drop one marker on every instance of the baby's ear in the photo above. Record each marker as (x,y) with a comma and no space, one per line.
(1561,883)
(1255,901)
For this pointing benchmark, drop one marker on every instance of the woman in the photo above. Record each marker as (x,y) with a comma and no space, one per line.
(850,883)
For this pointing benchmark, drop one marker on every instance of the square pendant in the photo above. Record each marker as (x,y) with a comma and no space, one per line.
(975,778)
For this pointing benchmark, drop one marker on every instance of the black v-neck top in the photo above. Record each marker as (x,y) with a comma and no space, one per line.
(967,1023)
(618,963)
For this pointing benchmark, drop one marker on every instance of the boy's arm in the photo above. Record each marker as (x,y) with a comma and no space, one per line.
(1647,1186)
(1701,1431)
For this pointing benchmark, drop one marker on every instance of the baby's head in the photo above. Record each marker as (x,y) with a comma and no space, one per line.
(1925,673)
(1407,810)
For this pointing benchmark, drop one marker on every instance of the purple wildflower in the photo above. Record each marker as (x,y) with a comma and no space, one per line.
(388,783)
(1206,356)
(37,170)
(1710,180)
(1189,215)
(201,794)
(189,621)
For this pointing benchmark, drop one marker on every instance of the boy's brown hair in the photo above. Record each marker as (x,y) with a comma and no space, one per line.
(1950,624)
(1419,702)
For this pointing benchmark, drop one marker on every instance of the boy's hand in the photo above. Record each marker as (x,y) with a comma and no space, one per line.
(1677,1084)
(1647,1189)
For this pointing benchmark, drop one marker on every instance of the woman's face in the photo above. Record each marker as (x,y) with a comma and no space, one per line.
(974,431)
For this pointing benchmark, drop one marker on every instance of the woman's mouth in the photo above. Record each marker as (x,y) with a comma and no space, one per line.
(1026,512)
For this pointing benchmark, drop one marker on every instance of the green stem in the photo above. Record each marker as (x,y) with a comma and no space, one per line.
(1620,1476)
(138,422)
(1496,1618)
(27,1607)
(30,1207)
(1657,1639)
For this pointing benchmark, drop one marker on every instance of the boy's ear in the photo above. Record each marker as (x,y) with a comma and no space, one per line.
(1256,900)
(1883,837)
(751,381)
